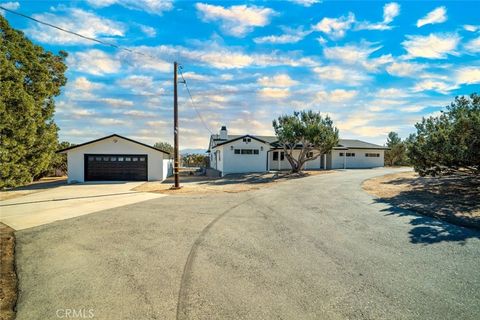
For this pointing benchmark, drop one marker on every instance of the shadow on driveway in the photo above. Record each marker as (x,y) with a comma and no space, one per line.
(428,230)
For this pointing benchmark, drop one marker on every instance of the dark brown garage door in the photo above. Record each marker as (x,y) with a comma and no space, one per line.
(115,167)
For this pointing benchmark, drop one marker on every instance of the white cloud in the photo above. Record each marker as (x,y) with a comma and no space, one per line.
(471,28)
(236,20)
(110,122)
(147,62)
(391,93)
(438,15)
(335,28)
(290,36)
(433,46)
(93,61)
(218,56)
(117,102)
(390,11)
(83,22)
(350,53)
(433,85)
(306,3)
(141,85)
(138,114)
(12,5)
(473,46)
(336,96)
(148,31)
(347,76)
(157,123)
(83,84)
(405,69)
(358,55)
(279,80)
(468,75)
(150,6)
(80,113)
(275,93)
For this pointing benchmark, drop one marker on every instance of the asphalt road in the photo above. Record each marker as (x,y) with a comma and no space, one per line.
(312,248)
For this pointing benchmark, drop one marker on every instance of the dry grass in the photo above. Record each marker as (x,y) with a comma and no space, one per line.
(453,198)
(8,277)
(232,184)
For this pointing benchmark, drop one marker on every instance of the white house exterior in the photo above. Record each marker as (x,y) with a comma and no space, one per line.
(249,153)
(116,158)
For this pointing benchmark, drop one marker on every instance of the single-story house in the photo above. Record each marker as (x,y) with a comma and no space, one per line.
(116,158)
(252,153)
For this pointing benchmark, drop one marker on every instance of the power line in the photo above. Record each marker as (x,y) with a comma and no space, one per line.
(109,44)
(193,103)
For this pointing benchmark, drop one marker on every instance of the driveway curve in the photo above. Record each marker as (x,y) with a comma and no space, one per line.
(312,248)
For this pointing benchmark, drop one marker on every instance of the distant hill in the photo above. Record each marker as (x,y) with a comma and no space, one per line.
(193,151)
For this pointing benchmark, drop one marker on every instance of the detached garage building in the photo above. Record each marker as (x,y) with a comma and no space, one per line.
(116,158)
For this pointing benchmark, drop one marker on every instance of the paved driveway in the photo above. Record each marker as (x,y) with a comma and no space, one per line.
(313,248)
(62,201)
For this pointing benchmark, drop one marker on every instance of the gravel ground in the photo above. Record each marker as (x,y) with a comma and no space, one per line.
(312,248)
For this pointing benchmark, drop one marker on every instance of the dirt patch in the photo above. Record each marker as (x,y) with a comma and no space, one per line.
(229,184)
(8,277)
(453,198)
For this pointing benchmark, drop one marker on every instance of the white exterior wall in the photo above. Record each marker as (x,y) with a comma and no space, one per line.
(336,160)
(359,161)
(285,165)
(167,168)
(75,157)
(240,163)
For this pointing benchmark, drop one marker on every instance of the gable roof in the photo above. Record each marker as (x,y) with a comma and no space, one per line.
(222,142)
(111,136)
(343,144)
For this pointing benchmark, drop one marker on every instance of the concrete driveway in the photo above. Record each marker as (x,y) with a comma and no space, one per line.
(312,248)
(50,203)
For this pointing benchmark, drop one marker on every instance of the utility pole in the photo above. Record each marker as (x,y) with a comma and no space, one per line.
(176,161)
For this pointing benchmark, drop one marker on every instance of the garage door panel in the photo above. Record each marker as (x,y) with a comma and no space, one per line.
(116,167)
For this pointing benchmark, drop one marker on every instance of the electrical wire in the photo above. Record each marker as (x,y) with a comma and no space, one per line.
(193,103)
(109,44)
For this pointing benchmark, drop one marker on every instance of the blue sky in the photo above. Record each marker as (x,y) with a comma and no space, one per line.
(373,66)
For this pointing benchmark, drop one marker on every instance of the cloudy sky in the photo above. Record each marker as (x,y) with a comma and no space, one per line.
(373,66)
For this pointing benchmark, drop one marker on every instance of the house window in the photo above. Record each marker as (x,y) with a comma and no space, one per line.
(282,156)
(350,154)
(255,151)
(310,154)
(247,140)
(372,155)
(247,151)
(219,156)
(237,151)
(275,156)
(341,154)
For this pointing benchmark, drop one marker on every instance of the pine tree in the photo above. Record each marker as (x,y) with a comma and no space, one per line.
(30,78)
